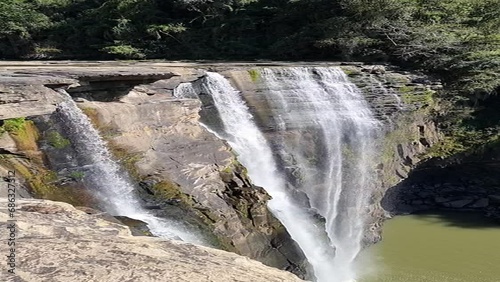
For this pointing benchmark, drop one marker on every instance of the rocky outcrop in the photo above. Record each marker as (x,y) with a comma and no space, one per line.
(181,169)
(26,89)
(56,242)
(177,161)
(27,100)
(462,183)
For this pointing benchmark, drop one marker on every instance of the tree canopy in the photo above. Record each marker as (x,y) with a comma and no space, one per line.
(455,40)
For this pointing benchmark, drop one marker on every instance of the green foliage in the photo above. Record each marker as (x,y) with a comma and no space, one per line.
(124,51)
(254,75)
(57,141)
(77,175)
(458,39)
(13,125)
(159,31)
(19,18)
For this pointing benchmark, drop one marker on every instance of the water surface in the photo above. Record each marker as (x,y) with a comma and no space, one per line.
(441,247)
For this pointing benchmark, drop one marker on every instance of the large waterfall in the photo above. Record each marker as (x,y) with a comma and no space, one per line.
(109,183)
(328,154)
(318,160)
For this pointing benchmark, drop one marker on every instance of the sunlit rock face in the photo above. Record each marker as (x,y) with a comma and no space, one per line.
(313,140)
(85,246)
(183,165)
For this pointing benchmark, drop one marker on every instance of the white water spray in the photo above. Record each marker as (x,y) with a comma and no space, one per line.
(111,185)
(255,154)
(329,117)
(322,104)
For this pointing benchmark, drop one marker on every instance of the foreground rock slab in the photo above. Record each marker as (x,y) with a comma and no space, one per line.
(57,242)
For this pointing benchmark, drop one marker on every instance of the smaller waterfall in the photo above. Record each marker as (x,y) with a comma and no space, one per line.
(112,185)
(386,92)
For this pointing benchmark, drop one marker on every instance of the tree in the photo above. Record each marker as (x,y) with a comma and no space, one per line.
(18,19)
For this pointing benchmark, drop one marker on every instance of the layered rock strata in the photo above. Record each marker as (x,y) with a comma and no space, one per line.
(56,242)
(181,168)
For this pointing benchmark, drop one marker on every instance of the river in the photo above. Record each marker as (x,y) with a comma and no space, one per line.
(440,247)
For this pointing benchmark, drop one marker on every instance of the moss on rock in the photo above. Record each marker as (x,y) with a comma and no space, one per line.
(43,183)
(56,140)
(169,190)
(24,133)
(254,75)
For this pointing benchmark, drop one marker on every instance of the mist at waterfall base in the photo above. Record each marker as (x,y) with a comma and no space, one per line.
(111,185)
(326,114)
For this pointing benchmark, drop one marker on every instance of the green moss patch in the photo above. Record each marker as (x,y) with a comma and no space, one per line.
(56,140)
(14,124)
(25,135)
(77,175)
(169,190)
(43,183)
(254,75)
(410,96)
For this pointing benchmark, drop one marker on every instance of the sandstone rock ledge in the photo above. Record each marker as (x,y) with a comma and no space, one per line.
(57,242)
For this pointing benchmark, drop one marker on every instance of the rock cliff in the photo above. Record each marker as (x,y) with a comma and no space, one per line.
(465,182)
(182,171)
(180,168)
(58,242)
(404,102)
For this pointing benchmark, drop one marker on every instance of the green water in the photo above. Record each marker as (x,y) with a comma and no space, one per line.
(445,247)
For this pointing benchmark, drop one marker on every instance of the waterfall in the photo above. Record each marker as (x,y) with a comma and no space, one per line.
(331,149)
(326,156)
(108,181)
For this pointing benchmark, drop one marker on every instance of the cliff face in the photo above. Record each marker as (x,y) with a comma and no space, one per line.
(182,170)
(465,182)
(58,242)
(402,101)
(177,161)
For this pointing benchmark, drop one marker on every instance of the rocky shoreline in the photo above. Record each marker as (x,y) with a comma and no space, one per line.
(470,187)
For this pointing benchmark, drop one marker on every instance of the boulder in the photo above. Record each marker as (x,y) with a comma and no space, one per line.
(481,203)
(458,203)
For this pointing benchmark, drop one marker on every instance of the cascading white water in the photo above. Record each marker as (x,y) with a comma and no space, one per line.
(112,185)
(386,92)
(322,104)
(255,154)
(328,114)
